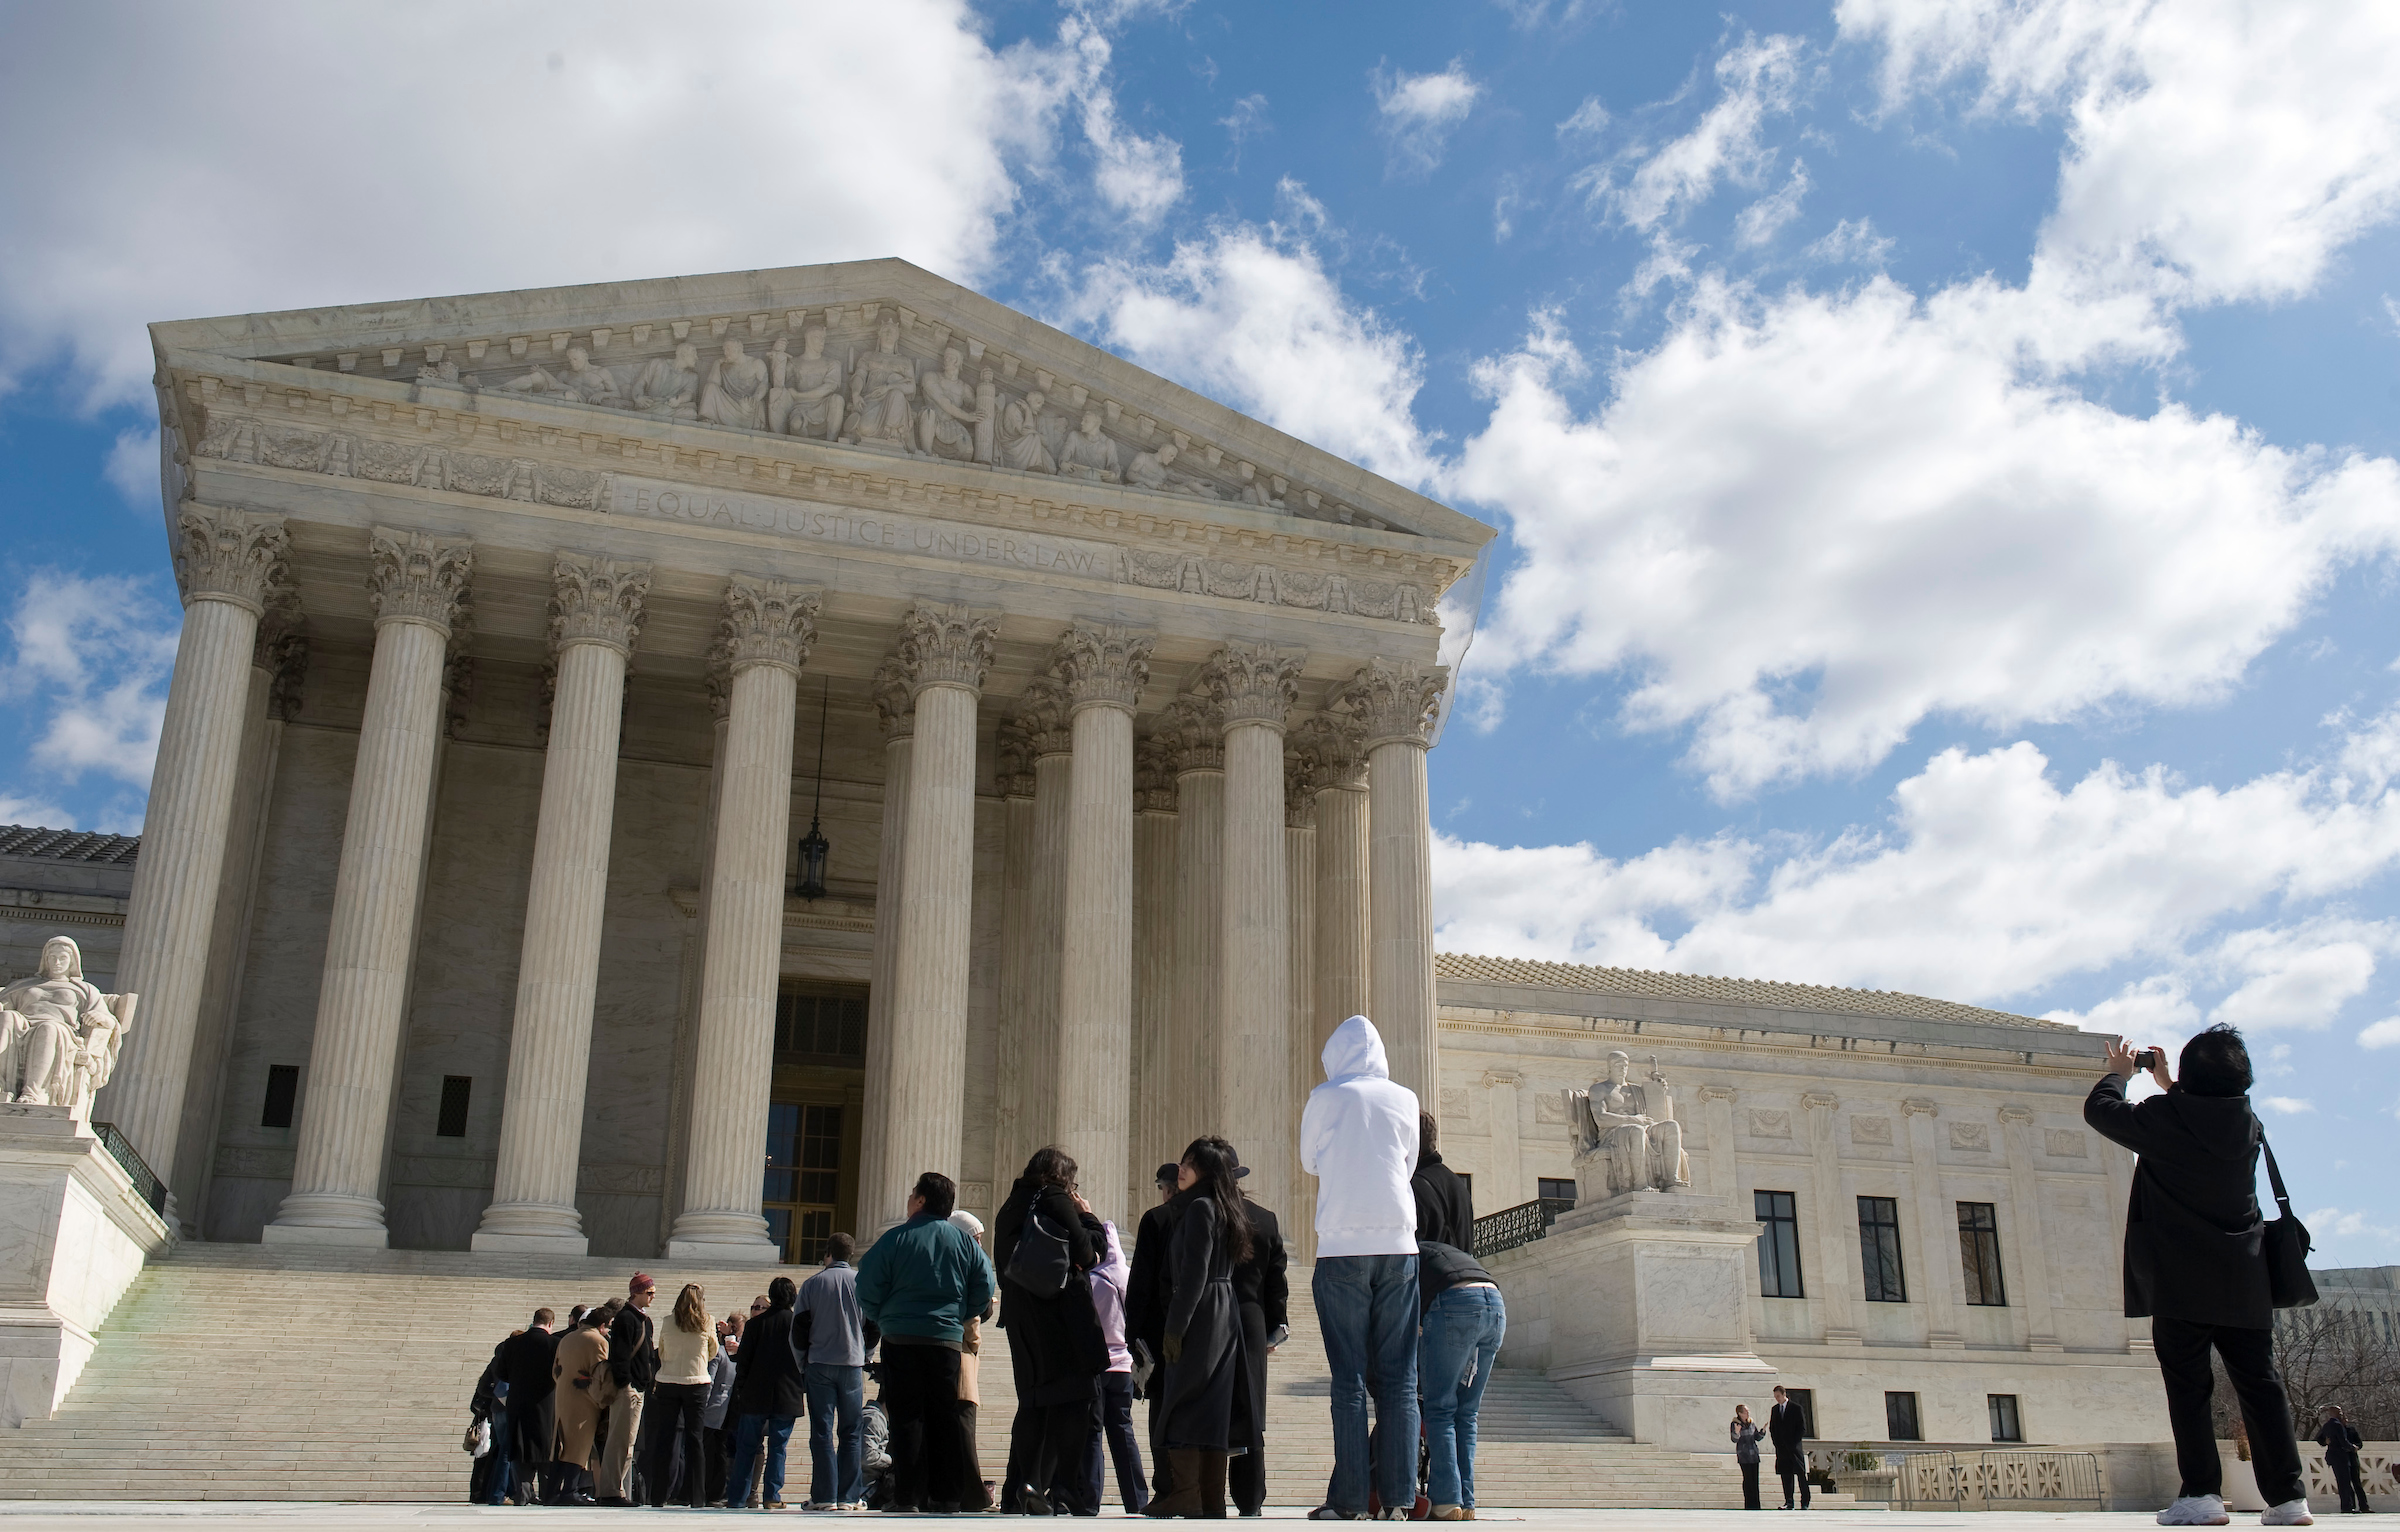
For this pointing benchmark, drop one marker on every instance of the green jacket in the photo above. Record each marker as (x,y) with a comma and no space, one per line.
(924,1280)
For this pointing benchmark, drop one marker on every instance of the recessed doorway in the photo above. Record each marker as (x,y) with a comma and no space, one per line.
(810,1189)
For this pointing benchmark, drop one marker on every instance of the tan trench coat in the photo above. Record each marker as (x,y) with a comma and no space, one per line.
(576,1411)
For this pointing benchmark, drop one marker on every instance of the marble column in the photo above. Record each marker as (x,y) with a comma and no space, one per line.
(1338,759)
(719,687)
(896,711)
(917,1125)
(765,633)
(1194,727)
(1836,1286)
(2033,1247)
(595,621)
(1299,1212)
(1939,1275)
(1154,1081)
(417,583)
(226,563)
(1394,703)
(1724,1176)
(1014,777)
(1104,670)
(1255,685)
(1050,740)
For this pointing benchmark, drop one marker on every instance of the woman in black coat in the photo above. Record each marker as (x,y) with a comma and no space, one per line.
(769,1393)
(1056,1352)
(1203,1340)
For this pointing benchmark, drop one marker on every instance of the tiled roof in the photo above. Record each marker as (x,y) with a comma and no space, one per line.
(1687,986)
(69,845)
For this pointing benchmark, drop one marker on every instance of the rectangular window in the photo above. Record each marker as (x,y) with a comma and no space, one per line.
(453,1120)
(831,1026)
(1805,1401)
(1778,1244)
(1900,1418)
(283,1093)
(1556,1191)
(2005,1426)
(1879,1249)
(1979,1254)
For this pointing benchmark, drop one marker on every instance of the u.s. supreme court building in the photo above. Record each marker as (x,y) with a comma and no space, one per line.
(650,768)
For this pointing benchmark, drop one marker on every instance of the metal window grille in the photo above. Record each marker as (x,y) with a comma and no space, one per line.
(1520,1225)
(1900,1418)
(2005,1425)
(283,1093)
(821,1025)
(1879,1249)
(1979,1254)
(1555,1191)
(452,1123)
(1778,1244)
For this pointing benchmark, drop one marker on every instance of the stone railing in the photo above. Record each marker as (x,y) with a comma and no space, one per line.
(146,1184)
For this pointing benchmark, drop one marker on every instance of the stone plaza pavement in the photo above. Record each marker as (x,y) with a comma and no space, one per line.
(82,1516)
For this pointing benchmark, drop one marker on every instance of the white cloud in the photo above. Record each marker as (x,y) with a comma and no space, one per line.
(2381,1034)
(1803,524)
(477,148)
(1140,177)
(1246,121)
(1418,111)
(1757,77)
(131,467)
(1852,242)
(2289,1106)
(87,670)
(1764,219)
(1588,120)
(1990,881)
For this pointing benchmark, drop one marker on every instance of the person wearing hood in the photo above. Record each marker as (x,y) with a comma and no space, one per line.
(2195,1267)
(1358,1137)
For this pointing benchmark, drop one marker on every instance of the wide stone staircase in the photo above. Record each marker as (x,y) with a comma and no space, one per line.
(242,1372)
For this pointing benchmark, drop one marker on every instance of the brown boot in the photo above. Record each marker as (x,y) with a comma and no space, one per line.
(1212,1485)
(1183,1486)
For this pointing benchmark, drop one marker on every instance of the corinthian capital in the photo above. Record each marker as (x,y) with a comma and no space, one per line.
(767,622)
(1335,747)
(1043,715)
(1102,666)
(1012,772)
(942,645)
(418,577)
(596,601)
(895,704)
(1153,775)
(1192,733)
(1253,683)
(234,556)
(1393,700)
(1300,783)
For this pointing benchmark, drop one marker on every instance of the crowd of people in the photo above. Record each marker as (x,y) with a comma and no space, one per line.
(617,1408)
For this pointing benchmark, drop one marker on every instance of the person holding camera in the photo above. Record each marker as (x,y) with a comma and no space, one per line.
(2195,1265)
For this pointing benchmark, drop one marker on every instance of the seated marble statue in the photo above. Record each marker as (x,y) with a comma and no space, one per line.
(806,399)
(735,393)
(946,426)
(58,1034)
(1153,471)
(883,391)
(665,387)
(1024,446)
(581,383)
(1631,1129)
(1089,453)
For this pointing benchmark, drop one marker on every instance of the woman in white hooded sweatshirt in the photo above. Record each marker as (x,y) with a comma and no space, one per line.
(1358,1137)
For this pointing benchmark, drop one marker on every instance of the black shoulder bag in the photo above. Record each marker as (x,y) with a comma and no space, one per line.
(1043,1260)
(2285,1245)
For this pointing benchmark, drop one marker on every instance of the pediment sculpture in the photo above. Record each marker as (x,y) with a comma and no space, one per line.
(1626,1135)
(59,1035)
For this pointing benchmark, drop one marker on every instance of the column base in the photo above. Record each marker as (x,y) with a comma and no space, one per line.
(724,1239)
(536,1228)
(317,1234)
(485,1242)
(328,1218)
(704,1252)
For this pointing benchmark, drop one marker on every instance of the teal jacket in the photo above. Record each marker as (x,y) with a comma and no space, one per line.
(924,1280)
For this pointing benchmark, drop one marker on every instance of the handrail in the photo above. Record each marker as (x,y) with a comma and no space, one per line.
(1520,1225)
(120,1148)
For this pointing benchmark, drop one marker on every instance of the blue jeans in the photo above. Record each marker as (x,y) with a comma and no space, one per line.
(1367,1309)
(836,1395)
(747,1431)
(1454,1361)
(495,1485)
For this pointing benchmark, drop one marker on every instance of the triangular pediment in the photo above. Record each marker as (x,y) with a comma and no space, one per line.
(871,357)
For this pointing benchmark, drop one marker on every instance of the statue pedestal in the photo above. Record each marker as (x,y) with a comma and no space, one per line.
(1637,1304)
(73,1236)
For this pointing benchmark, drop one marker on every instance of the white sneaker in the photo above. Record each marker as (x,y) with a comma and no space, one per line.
(2195,1511)
(2292,1513)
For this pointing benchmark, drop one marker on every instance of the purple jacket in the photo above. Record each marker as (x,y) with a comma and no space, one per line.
(1108,1297)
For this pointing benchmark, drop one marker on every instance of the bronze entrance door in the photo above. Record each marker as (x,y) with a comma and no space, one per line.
(810,1187)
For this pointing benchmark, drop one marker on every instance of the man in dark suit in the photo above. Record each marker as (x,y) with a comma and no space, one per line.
(1260,1286)
(1149,1287)
(525,1360)
(1787,1428)
(2341,1442)
(2194,1265)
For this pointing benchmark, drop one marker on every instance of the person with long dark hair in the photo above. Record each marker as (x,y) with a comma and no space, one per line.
(1055,1349)
(1203,1332)
(676,1468)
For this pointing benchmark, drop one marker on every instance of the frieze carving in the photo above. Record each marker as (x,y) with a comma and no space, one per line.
(1393,701)
(895,704)
(1153,775)
(946,645)
(235,556)
(241,439)
(1193,732)
(1870,1130)
(596,601)
(1766,1124)
(281,650)
(1336,748)
(418,577)
(2064,1143)
(1299,790)
(1973,1137)
(767,622)
(1042,713)
(1103,665)
(1253,683)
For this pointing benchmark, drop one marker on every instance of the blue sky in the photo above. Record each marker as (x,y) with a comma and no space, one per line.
(1944,448)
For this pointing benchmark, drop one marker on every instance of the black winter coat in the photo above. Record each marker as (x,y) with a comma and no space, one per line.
(1445,1209)
(1787,1429)
(769,1377)
(633,1349)
(1062,1334)
(1263,1278)
(1150,1285)
(1206,1316)
(525,1363)
(2193,1236)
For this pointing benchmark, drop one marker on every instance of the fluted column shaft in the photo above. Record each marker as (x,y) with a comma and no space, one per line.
(766,631)
(1253,1097)
(337,1174)
(920,1125)
(225,561)
(1009,1129)
(1344,979)
(1837,1281)
(1153,971)
(1095,1042)
(1188,1107)
(898,713)
(1300,905)
(2033,1246)
(1940,1282)
(1400,925)
(1046,911)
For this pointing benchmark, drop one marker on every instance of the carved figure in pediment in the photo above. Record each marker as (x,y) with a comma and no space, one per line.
(669,387)
(59,1035)
(1022,445)
(806,399)
(1630,1130)
(1256,493)
(735,393)
(439,372)
(1154,470)
(579,383)
(1089,453)
(946,427)
(883,391)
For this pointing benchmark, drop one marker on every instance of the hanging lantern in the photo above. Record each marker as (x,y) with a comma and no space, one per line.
(808,864)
